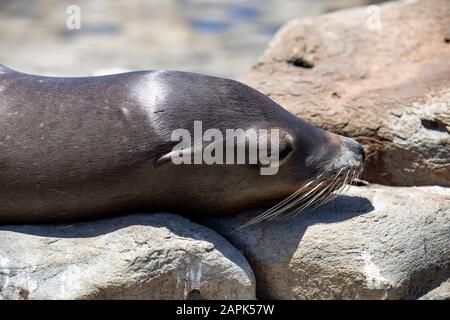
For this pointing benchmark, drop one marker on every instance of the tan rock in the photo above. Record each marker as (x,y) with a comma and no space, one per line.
(440,293)
(374,243)
(380,75)
(154,256)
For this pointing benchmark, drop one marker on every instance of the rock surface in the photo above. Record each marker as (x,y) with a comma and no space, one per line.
(440,293)
(380,75)
(374,243)
(157,256)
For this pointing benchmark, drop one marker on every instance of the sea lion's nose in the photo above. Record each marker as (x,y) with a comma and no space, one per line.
(355,147)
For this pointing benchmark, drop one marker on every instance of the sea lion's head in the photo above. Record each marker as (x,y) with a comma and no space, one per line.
(312,163)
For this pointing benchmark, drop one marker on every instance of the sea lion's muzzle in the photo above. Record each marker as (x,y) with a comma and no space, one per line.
(351,155)
(354,147)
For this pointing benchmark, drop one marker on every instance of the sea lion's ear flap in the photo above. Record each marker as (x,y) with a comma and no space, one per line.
(176,156)
(163,160)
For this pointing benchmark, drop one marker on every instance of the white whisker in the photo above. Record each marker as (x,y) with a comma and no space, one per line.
(297,201)
(330,193)
(270,211)
(323,192)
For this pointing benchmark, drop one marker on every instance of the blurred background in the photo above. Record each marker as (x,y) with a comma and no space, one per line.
(216,37)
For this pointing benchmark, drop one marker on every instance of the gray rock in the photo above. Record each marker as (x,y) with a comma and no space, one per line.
(376,242)
(155,256)
(380,75)
(440,293)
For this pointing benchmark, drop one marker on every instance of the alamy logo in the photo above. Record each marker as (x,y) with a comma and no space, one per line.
(73,21)
(235,146)
(373,21)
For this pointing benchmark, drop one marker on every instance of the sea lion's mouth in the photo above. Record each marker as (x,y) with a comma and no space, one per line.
(311,195)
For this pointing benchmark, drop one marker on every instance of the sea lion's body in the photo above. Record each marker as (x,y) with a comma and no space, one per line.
(83,148)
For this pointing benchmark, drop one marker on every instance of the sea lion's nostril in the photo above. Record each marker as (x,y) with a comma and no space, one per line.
(363,153)
(358,150)
(355,147)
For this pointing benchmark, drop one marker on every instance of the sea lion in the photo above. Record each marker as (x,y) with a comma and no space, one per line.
(80,148)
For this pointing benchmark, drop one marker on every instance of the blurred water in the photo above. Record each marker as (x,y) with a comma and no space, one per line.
(218,37)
